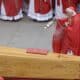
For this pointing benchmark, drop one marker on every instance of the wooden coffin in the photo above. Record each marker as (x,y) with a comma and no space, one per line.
(17,63)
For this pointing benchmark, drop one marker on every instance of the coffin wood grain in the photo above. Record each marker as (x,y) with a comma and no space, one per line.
(17,63)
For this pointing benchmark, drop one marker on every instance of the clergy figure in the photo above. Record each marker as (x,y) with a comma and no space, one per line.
(11,9)
(67,40)
(61,5)
(40,10)
(71,39)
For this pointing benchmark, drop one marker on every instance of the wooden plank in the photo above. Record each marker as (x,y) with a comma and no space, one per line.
(17,63)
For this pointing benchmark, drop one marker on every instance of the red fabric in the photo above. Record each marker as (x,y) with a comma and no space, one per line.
(57,39)
(1,78)
(42,6)
(12,7)
(72,37)
(68,3)
(37,6)
(37,51)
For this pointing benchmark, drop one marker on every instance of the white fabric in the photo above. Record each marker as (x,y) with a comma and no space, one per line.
(3,15)
(70,53)
(70,10)
(37,16)
(59,10)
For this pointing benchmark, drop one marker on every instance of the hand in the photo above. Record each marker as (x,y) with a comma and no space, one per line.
(66,24)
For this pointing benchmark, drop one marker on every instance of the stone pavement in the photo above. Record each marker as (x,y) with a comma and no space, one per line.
(25,34)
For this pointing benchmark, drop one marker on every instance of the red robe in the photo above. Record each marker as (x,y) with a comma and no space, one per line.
(69,39)
(42,6)
(12,7)
(68,3)
(57,38)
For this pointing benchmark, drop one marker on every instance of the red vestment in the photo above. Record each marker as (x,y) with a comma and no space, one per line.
(12,7)
(58,36)
(68,3)
(40,10)
(71,40)
(42,6)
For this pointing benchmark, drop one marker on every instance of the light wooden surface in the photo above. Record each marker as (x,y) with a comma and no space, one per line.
(17,63)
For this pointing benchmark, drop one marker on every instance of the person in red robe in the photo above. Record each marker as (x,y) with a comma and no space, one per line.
(40,10)
(11,9)
(61,18)
(68,3)
(68,40)
(71,39)
(61,5)
(58,35)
